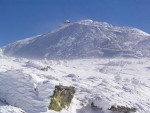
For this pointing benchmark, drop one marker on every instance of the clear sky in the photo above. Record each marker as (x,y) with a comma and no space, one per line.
(24,18)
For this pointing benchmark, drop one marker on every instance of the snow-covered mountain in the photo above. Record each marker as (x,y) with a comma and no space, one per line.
(85,38)
(100,85)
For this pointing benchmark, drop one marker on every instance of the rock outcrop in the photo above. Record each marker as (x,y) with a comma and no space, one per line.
(61,98)
(122,109)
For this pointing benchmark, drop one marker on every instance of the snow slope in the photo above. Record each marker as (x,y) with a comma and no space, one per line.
(5,108)
(105,82)
(83,39)
(10,109)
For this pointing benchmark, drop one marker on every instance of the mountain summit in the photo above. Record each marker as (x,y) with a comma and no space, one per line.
(83,39)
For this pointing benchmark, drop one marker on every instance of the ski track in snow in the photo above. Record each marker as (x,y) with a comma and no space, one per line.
(119,81)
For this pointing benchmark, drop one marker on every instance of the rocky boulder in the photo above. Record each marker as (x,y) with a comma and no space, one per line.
(61,98)
(122,109)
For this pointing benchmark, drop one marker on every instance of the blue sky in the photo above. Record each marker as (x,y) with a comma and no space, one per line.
(24,18)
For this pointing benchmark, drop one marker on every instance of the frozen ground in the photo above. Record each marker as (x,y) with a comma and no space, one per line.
(5,108)
(105,82)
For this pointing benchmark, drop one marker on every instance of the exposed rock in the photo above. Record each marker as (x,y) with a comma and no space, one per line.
(95,107)
(122,109)
(72,75)
(98,104)
(46,68)
(61,98)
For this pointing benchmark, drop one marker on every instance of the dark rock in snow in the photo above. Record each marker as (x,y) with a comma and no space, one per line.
(62,97)
(122,109)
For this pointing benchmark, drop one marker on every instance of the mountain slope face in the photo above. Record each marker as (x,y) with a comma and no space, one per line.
(85,38)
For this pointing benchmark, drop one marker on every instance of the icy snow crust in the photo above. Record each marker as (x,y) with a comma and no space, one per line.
(10,109)
(104,82)
(83,39)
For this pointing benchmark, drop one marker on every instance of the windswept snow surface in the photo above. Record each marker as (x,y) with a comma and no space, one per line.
(10,109)
(5,108)
(104,82)
(83,39)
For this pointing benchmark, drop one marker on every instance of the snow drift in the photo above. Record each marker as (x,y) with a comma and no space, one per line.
(21,90)
(100,84)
